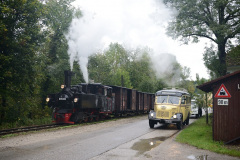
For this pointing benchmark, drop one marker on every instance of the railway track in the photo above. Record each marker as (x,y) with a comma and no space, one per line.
(31,128)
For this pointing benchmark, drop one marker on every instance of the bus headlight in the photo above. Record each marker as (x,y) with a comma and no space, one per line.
(152,114)
(75,100)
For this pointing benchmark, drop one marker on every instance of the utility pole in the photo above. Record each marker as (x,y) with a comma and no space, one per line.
(206,110)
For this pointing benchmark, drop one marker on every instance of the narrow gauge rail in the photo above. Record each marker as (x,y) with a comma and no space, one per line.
(31,128)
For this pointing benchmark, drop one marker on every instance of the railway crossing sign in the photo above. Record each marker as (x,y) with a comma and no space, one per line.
(222,92)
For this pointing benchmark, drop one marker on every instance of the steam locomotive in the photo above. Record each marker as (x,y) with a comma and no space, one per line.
(87,102)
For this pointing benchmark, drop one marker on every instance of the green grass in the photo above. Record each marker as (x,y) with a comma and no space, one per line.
(26,122)
(199,134)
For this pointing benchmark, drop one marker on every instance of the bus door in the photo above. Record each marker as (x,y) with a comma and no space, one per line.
(184,107)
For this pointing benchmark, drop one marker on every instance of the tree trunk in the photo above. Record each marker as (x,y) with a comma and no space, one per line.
(222,59)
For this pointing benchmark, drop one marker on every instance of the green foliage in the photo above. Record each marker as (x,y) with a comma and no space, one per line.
(234,53)
(99,69)
(200,96)
(143,77)
(110,66)
(121,78)
(218,21)
(20,73)
(78,76)
(58,17)
(33,55)
(134,67)
(211,61)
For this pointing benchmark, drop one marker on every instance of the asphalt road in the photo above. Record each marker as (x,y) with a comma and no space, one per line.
(122,139)
(84,145)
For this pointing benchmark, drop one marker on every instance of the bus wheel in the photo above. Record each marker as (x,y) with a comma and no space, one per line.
(151,124)
(187,121)
(197,115)
(179,125)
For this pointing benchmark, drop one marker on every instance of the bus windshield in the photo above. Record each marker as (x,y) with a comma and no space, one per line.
(168,99)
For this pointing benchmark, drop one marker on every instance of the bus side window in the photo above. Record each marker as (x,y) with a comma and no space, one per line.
(183,100)
(188,100)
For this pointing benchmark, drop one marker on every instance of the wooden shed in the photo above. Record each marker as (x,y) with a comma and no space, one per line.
(226,106)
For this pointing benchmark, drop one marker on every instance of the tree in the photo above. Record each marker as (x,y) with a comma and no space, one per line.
(98,68)
(204,100)
(21,61)
(141,71)
(217,20)
(121,78)
(117,57)
(58,17)
(108,67)
(211,61)
(78,76)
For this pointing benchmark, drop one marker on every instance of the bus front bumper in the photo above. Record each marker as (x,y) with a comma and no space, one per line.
(174,119)
(157,120)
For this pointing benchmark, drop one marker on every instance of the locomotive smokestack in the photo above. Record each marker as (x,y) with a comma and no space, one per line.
(68,76)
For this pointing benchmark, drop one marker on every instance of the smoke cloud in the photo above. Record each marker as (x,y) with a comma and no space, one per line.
(164,65)
(132,23)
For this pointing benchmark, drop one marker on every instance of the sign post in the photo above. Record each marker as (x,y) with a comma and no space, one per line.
(222,93)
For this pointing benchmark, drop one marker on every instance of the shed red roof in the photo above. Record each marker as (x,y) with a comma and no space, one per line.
(208,87)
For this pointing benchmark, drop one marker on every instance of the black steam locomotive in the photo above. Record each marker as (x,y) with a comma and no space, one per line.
(87,102)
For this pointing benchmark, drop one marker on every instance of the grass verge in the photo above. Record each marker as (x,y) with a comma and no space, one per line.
(26,122)
(199,134)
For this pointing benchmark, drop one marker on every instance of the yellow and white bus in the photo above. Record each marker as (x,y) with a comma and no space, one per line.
(171,106)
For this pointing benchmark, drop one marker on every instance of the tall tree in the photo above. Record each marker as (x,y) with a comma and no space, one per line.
(20,40)
(217,20)
(98,68)
(117,56)
(143,77)
(58,17)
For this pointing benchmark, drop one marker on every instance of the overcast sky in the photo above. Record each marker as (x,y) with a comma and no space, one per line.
(132,23)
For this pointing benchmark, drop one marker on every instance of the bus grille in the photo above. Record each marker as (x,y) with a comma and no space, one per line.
(163,114)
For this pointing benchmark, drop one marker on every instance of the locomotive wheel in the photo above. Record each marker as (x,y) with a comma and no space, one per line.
(103,117)
(96,118)
(90,119)
(85,119)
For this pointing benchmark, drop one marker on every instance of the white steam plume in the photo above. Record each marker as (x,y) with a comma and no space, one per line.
(123,21)
(133,23)
(163,64)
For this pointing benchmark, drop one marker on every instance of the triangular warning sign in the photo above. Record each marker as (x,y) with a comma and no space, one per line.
(222,92)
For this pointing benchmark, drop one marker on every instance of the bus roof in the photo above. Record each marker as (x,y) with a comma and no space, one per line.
(171,92)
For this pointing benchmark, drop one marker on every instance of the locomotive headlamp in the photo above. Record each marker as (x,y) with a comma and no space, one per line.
(75,100)
(174,116)
(62,86)
(47,99)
